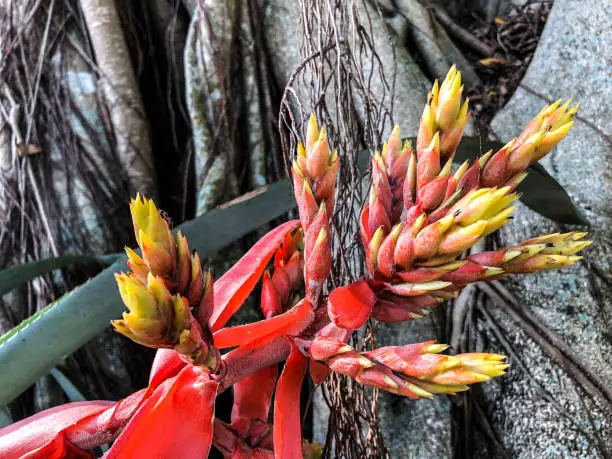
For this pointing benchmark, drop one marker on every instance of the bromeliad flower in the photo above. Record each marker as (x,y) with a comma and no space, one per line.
(420,219)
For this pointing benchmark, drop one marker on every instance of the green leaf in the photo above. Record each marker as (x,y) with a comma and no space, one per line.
(5,417)
(15,276)
(544,195)
(31,349)
(72,392)
(471,148)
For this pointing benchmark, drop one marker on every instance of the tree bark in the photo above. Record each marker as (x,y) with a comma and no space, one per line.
(121,93)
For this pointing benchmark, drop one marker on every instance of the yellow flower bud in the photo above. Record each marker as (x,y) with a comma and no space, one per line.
(153,236)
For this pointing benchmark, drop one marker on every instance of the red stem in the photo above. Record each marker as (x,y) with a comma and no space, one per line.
(224,438)
(248,359)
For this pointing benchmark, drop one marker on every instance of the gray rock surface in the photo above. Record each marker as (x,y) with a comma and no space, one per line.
(413,428)
(572,61)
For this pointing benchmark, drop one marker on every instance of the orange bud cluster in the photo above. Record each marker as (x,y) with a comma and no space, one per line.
(420,244)
(179,271)
(415,370)
(542,133)
(445,117)
(277,289)
(412,293)
(314,177)
(415,261)
(158,319)
(153,237)
(388,174)
(537,254)
(314,174)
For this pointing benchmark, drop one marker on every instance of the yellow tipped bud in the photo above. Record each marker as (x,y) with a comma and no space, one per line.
(322,237)
(484,158)
(390,383)
(434,348)
(150,310)
(301,150)
(322,135)
(488,365)
(532,249)
(364,362)
(297,168)
(379,160)
(480,204)
(431,286)
(451,389)
(452,266)
(307,188)
(493,224)
(333,157)
(511,255)
(552,123)
(446,169)
(490,272)
(417,225)
(137,264)
(460,239)
(312,132)
(445,223)
(435,90)
(396,231)
(516,181)
(459,173)
(153,236)
(463,116)
(435,142)
(344,349)
(566,247)
(478,377)
(449,100)
(147,219)
(551,139)
(418,391)
(374,247)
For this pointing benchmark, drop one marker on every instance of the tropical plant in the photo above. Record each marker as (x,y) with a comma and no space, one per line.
(419,222)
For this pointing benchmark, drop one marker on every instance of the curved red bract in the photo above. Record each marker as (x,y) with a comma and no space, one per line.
(175,421)
(252,399)
(233,288)
(287,422)
(288,323)
(349,307)
(44,434)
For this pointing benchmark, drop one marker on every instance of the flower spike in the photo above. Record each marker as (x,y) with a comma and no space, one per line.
(314,177)
(415,370)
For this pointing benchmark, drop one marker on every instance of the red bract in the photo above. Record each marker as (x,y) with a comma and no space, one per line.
(234,286)
(287,422)
(290,323)
(350,306)
(176,419)
(419,220)
(252,398)
(51,430)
